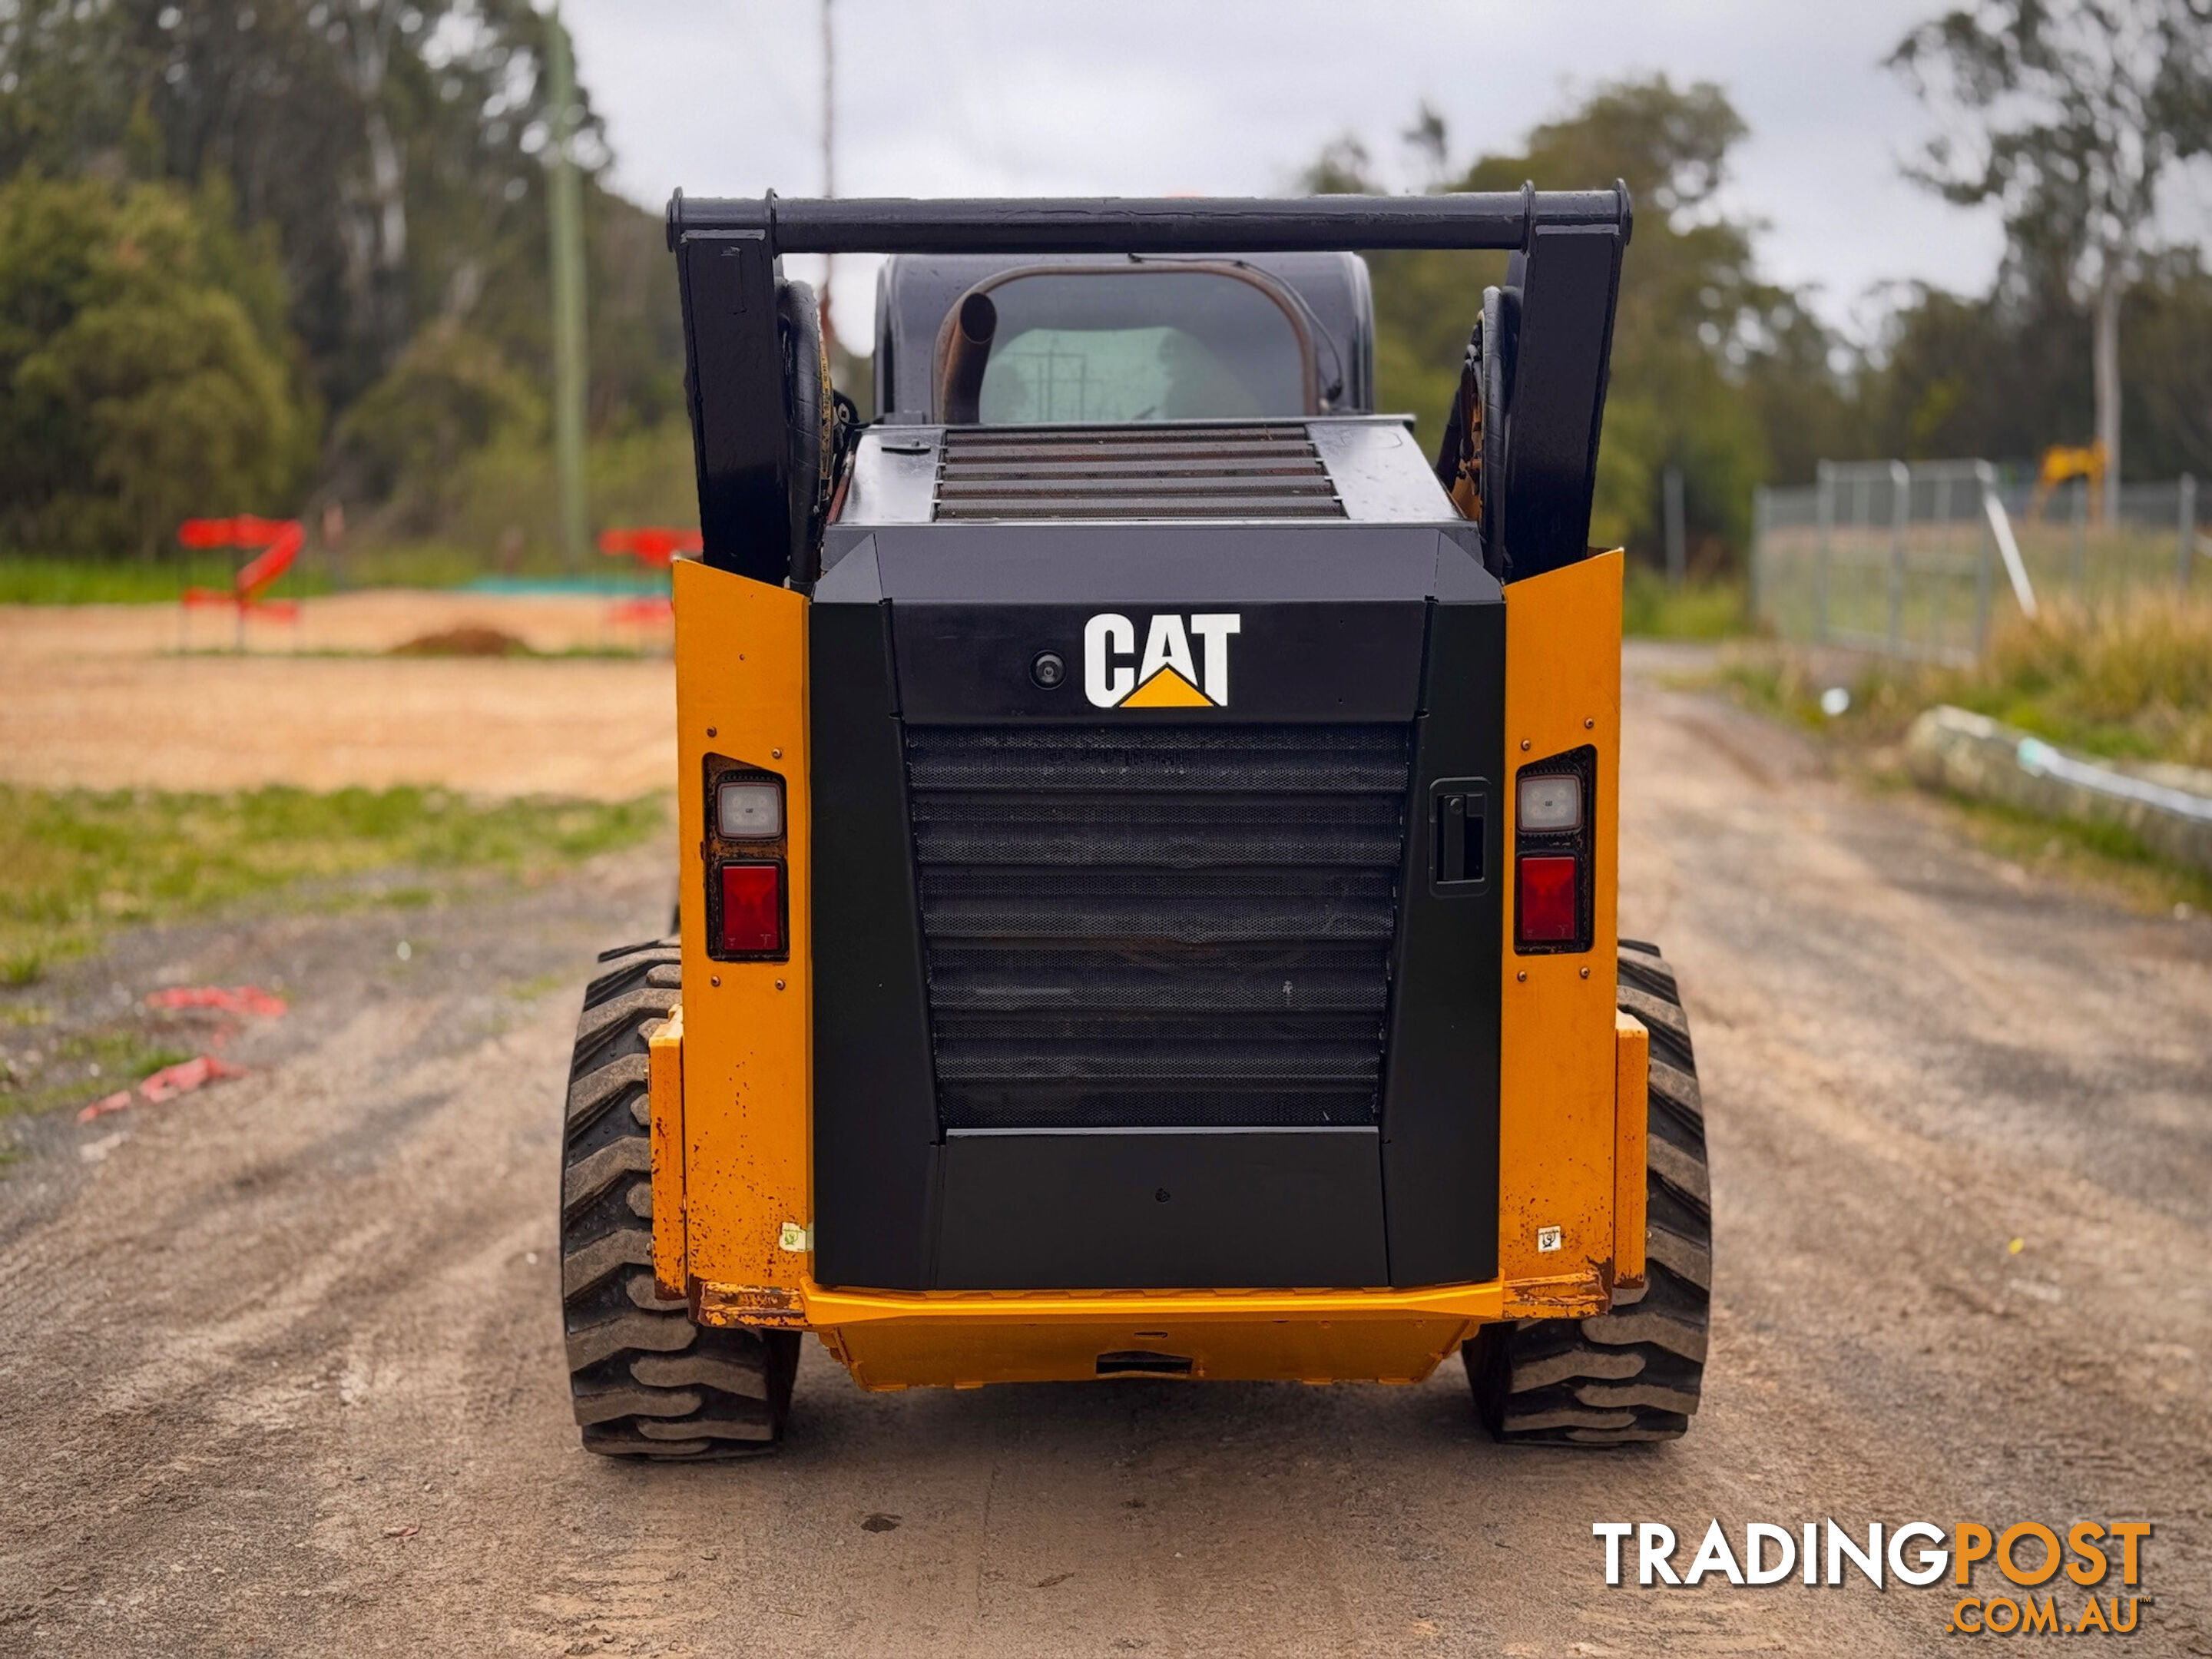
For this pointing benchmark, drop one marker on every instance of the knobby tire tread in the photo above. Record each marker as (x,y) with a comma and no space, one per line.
(647,1382)
(1635,1374)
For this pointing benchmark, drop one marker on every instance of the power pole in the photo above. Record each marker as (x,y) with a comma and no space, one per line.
(1678,551)
(828,160)
(565,215)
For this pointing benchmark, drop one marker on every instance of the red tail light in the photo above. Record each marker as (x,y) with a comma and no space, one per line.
(751,910)
(1545,901)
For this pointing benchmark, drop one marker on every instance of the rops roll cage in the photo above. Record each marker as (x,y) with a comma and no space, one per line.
(1561,287)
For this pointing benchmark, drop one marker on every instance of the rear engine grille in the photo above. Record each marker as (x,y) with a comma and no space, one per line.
(1134,472)
(1155,925)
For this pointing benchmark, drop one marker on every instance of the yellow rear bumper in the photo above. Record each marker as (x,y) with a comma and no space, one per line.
(894,1341)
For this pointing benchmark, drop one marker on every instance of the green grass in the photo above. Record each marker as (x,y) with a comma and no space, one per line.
(75,864)
(1696,611)
(82,1066)
(1788,685)
(38,579)
(2132,681)
(1950,575)
(30,578)
(2128,681)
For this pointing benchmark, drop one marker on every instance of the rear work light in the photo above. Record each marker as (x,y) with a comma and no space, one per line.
(751,919)
(745,857)
(1551,804)
(748,808)
(1555,853)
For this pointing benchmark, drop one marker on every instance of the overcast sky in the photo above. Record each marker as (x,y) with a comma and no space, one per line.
(1156,97)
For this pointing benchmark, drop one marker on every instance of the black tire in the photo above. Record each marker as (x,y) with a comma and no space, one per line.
(1499,320)
(647,1382)
(1634,1374)
(811,421)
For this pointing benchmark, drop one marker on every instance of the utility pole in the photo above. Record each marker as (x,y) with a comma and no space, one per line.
(565,217)
(1678,551)
(828,160)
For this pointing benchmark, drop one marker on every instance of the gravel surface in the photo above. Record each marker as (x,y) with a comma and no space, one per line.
(281,1369)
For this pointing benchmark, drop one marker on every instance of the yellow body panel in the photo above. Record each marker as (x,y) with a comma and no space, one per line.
(748,1049)
(1556,1062)
(1632,1080)
(664,1083)
(1572,1078)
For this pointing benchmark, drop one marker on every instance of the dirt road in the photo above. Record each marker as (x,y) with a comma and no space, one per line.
(279,1370)
(100,696)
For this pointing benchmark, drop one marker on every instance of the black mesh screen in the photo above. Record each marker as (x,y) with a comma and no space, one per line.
(1158,926)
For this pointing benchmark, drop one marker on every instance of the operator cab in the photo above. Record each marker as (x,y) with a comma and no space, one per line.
(1084,340)
(1236,388)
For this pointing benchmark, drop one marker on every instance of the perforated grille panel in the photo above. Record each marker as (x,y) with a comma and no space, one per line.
(1144,925)
(1134,472)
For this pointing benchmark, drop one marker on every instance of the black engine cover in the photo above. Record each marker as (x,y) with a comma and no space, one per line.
(1131,968)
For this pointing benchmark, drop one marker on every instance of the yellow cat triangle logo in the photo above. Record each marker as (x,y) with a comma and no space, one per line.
(1167,689)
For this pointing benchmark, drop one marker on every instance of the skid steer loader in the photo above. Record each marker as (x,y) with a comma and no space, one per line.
(1148,842)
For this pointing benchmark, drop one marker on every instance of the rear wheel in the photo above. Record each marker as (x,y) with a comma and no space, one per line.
(647,1381)
(1634,1373)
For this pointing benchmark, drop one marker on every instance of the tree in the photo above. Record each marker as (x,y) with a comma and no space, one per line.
(2000,375)
(390,152)
(145,372)
(1704,345)
(2168,365)
(451,394)
(2068,115)
(394,144)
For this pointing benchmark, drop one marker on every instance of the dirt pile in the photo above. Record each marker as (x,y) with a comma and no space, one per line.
(468,640)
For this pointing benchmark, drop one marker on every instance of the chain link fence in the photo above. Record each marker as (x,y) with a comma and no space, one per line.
(1920,559)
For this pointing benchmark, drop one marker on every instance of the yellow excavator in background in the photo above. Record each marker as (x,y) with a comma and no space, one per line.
(2063,464)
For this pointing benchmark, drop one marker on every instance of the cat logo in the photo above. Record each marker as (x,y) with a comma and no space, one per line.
(1166,675)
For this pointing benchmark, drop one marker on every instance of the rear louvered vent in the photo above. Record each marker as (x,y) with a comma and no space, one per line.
(1134,472)
(1158,926)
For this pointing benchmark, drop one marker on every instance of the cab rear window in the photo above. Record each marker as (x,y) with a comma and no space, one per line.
(1142,344)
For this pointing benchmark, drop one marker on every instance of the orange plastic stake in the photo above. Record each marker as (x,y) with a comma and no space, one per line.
(654,546)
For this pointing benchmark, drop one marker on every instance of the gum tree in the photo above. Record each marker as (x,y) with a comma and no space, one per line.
(2068,115)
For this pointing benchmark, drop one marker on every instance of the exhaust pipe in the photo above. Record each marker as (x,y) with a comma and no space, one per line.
(961,392)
